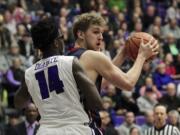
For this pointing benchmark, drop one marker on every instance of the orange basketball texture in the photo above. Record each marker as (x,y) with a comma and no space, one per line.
(133,43)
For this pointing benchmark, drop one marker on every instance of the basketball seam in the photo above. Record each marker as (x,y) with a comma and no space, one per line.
(131,51)
(134,43)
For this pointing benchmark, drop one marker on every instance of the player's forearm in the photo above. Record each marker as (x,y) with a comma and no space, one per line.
(119,58)
(134,73)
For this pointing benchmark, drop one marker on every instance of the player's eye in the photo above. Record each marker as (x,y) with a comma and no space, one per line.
(96,32)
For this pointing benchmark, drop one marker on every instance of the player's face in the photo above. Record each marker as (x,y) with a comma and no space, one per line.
(160,115)
(93,37)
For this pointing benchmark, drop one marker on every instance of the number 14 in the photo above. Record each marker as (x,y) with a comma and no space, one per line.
(53,80)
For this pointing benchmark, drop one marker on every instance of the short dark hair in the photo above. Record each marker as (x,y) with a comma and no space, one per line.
(44,33)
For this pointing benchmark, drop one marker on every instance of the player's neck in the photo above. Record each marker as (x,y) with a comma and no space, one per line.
(79,44)
(50,53)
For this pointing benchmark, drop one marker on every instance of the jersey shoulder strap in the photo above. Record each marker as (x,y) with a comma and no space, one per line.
(75,52)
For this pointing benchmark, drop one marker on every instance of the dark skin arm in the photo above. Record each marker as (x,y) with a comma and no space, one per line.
(22,96)
(87,87)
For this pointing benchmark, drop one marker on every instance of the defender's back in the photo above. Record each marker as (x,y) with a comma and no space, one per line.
(54,91)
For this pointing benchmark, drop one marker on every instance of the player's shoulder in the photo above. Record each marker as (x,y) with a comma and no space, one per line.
(65,58)
(93,58)
(30,68)
(93,54)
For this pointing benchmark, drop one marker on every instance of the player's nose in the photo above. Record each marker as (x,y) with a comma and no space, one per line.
(101,36)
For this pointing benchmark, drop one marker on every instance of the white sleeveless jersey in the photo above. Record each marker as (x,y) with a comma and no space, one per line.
(53,89)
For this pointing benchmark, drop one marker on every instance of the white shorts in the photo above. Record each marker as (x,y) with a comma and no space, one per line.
(66,130)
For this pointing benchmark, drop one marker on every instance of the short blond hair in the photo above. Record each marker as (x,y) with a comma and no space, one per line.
(82,22)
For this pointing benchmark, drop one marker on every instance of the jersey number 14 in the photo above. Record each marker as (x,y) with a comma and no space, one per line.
(55,84)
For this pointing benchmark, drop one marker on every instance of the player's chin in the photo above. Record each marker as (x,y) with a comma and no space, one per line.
(97,48)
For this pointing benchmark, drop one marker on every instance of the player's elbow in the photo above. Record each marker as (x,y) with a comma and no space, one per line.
(122,81)
(130,87)
(125,85)
(129,84)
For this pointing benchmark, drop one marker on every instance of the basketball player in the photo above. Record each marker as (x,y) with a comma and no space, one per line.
(88,30)
(54,83)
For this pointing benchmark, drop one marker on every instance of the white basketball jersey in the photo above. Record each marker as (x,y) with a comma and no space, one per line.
(53,89)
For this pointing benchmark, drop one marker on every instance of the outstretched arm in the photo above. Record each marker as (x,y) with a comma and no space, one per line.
(87,87)
(120,57)
(22,96)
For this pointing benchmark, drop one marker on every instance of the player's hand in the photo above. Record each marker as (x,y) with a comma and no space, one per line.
(149,49)
(155,47)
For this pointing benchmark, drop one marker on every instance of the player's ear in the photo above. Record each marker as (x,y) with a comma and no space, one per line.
(80,34)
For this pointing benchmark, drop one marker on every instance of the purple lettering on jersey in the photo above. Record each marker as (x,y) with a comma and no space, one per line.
(36,67)
(55,59)
(55,84)
(45,63)
(40,77)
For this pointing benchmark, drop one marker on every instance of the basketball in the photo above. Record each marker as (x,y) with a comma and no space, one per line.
(133,42)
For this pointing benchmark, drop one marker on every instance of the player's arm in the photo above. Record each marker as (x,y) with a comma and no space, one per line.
(22,96)
(113,74)
(118,61)
(120,57)
(87,87)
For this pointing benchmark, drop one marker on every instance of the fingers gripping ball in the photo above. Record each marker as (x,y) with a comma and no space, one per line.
(133,43)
